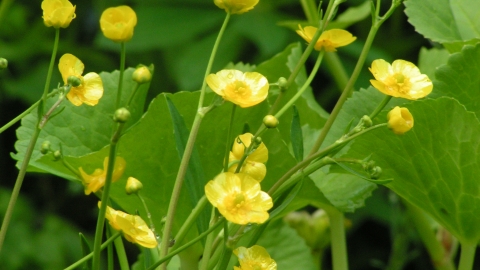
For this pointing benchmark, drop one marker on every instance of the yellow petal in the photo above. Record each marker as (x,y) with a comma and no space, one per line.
(69,65)
(255,257)
(329,40)
(117,23)
(93,89)
(400,120)
(58,13)
(236,6)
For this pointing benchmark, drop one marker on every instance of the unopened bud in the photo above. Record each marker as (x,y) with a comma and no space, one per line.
(3,63)
(282,83)
(142,75)
(366,121)
(258,141)
(121,115)
(74,81)
(133,185)
(57,155)
(270,121)
(45,148)
(376,172)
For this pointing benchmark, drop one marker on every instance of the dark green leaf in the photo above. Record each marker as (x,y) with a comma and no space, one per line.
(296,135)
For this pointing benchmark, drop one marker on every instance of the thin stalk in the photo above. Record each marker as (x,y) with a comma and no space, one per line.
(121,254)
(427,234)
(29,151)
(349,88)
(120,80)
(228,144)
(149,216)
(187,245)
(467,256)
(105,195)
(90,255)
(45,118)
(227,252)
(190,221)
(339,244)
(210,61)
(208,244)
(132,95)
(172,207)
(380,107)
(26,112)
(109,251)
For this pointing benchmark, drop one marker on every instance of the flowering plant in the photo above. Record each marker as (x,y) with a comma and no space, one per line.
(257,146)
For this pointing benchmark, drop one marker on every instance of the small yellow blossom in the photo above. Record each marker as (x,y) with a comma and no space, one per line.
(238,198)
(58,13)
(329,40)
(142,75)
(133,227)
(244,89)
(117,23)
(400,79)
(90,89)
(254,258)
(236,6)
(96,180)
(254,163)
(400,120)
(133,185)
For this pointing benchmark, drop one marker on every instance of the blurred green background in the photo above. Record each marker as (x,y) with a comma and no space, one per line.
(177,37)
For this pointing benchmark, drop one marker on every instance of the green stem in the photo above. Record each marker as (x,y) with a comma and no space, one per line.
(227,252)
(27,111)
(339,244)
(349,88)
(304,87)
(334,64)
(172,207)
(121,254)
(149,216)
(132,95)
(29,151)
(467,255)
(105,196)
(208,244)
(228,144)
(190,221)
(89,256)
(71,168)
(109,251)
(122,70)
(45,118)
(187,245)
(380,107)
(210,61)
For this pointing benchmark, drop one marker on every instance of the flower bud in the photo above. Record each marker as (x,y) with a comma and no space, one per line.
(3,63)
(400,120)
(133,185)
(74,81)
(117,23)
(366,121)
(45,148)
(57,155)
(376,172)
(270,121)
(121,115)
(142,75)
(58,13)
(282,83)
(258,141)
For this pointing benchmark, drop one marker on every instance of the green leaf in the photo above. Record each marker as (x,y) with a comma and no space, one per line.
(194,176)
(296,135)
(459,78)
(430,59)
(435,165)
(446,21)
(84,129)
(85,250)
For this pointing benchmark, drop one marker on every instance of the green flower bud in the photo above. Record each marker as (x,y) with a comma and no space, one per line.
(57,155)
(282,83)
(258,141)
(121,115)
(3,63)
(133,185)
(45,148)
(366,121)
(376,172)
(74,81)
(142,75)
(270,121)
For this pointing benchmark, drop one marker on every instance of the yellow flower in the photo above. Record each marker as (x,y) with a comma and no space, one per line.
(401,79)
(244,89)
(239,198)
(90,89)
(117,23)
(254,163)
(58,13)
(329,40)
(133,227)
(133,185)
(96,180)
(400,120)
(254,258)
(236,6)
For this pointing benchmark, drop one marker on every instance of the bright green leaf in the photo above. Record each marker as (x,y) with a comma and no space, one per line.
(430,59)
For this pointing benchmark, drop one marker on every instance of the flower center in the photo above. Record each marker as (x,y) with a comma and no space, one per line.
(398,83)
(238,89)
(236,203)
